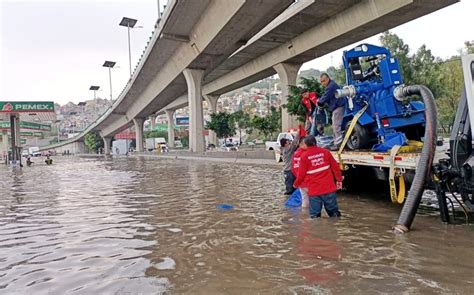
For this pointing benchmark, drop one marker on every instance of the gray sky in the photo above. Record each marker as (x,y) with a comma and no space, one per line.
(54,50)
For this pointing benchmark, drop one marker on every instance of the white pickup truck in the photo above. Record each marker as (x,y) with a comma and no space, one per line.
(275,145)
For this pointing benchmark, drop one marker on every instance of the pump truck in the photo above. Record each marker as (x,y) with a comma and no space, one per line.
(390,132)
(373,81)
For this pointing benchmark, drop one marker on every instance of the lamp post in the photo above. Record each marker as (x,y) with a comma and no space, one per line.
(110,65)
(129,23)
(159,14)
(94,88)
(57,122)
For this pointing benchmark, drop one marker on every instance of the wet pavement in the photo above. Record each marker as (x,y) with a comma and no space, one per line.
(89,226)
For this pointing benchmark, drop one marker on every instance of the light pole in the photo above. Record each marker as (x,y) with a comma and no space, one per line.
(58,126)
(129,23)
(110,65)
(159,14)
(94,88)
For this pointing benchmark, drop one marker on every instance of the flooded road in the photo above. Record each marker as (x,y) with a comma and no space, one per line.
(86,226)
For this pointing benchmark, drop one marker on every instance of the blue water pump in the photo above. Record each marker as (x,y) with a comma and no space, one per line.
(374,79)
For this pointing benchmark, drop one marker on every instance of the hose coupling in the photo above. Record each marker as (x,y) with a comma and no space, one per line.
(348,91)
(400,93)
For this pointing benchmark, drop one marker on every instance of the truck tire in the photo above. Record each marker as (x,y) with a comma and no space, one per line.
(359,138)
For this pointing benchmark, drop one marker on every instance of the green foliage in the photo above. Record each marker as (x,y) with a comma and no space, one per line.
(185,141)
(93,141)
(269,124)
(468,47)
(337,74)
(222,123)
(155,134)
(294,105)
(452,83)
(400,50)
(242,122)
(426,71)
(443,77)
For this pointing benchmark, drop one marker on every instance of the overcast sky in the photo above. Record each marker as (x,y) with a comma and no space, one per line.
(54,50)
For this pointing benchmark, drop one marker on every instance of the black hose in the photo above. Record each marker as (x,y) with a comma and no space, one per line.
(426,159)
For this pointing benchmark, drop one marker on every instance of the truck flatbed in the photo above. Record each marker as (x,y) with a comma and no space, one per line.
(407,161)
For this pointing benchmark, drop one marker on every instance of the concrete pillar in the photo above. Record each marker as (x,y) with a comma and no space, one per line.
(138,122)
(153,122)
(288,74)
(107,145)
(212,102)
(196,118)
(170,117)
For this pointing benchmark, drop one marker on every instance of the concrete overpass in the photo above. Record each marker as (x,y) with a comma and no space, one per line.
(221,45)
(193,37)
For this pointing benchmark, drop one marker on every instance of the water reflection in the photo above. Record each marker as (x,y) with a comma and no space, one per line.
(151,226)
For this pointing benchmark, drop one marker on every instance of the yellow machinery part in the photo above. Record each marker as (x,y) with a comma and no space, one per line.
(400,196)
(348,134)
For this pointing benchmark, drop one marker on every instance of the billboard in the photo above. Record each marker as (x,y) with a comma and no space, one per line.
(182,121)
(27,107)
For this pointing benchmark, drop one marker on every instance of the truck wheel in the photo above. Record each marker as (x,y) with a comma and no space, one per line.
(359,138)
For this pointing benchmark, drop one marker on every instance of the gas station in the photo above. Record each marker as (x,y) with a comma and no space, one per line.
(22,118)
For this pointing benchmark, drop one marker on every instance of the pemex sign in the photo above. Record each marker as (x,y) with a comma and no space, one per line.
(26,106)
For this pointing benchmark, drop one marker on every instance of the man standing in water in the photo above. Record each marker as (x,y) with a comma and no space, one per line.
(288,148)
(320,174)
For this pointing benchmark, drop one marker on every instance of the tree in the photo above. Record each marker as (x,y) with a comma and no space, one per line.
(400,50)
(426,71)
(294,105)
(452,83)
(469,47)
(269,124)
(242,122)
(93,141)
(337,74)
(274,120)
(155,133)
(222,124)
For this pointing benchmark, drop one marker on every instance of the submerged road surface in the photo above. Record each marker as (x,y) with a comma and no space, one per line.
(152,226)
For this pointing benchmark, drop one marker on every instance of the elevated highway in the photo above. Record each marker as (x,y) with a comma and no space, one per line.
(204,48)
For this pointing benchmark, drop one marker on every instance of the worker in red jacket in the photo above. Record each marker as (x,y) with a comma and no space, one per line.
(320,174)
(294,169)
(315,116)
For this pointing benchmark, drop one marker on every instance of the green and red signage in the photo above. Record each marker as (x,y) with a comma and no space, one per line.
(26,106)
(27,125)
(26,133)
(31,134)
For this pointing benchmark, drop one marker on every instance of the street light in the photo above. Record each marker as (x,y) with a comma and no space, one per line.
(159,14)
(129,23)
(94,88)
(110,65)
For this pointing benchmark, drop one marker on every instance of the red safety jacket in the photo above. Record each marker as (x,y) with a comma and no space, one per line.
(317,171)
(296,161)
(309,98)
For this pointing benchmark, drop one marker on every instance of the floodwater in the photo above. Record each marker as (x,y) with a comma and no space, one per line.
(87,226)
